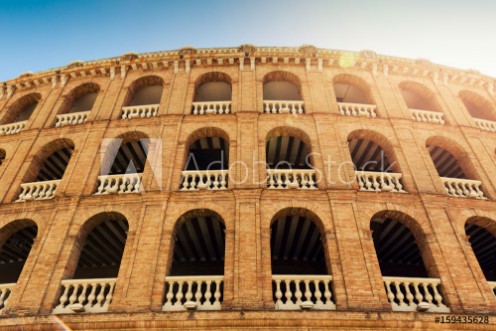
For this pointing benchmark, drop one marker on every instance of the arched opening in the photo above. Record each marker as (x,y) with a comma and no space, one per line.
(457,173)
(289,160)
(401,259)
(143,97)
(352,89)
(17,115)
(478,106)
(480,233)
(16,241)
(77,105)
(46,170)
(375,166)
(101,241)
(207,163)
(123,164)
(422,103)
(299,263)
(22,109)
(3,155)
(417,96)
(353,96)
(282,93)
(197,269)
(213,93)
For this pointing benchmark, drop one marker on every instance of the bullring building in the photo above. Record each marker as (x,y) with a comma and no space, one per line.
(247,187)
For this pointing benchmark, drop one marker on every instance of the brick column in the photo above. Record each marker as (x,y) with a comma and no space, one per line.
(363,289)
(133,291)
(247,274)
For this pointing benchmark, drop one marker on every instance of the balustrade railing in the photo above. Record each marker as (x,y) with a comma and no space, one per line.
(71,118)
(283,107)
(85,295)
(126,183)
(405,294)
(427,116)
(211,107)
(201,292)
(291,178)
(463,188)
(139,111)
(38,190)
(292,292)
(379,181)
(12,128)
(5,290)
(357,109)
(204,180)
(485,124)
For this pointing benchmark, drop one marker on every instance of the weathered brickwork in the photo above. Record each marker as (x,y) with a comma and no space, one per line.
(247,207)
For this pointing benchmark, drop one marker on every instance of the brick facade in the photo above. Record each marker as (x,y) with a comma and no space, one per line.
(248,207)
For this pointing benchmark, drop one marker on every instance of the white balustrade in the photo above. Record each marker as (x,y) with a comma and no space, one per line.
(463,188)
(291,178)
(405,294)
(283,107)
(357,109)
(5,290)
(71,118)
(427,116)
(379,181)
(205,291)
(290,291)
(194,180)
(38,190)
(139,111)
(12,128)
(126,183)
(85,295)
(211,107)
(485,124)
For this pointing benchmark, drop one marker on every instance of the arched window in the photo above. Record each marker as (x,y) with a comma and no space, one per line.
(196,275)
(77,105)
(100,246)
(17,115)
(457,172)
(353,96)
(480,109)
(207,162)
(422,102)
(408,282)
(288,160)
(480,232)
(375,164)
(213,93)
(46,170)
(123,164)
(300,275)
(282,93)
(16,241)
(143,97)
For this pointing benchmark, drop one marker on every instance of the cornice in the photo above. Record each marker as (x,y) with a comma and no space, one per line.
(247,57)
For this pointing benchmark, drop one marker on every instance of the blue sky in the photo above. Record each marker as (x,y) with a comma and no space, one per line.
(39,35)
